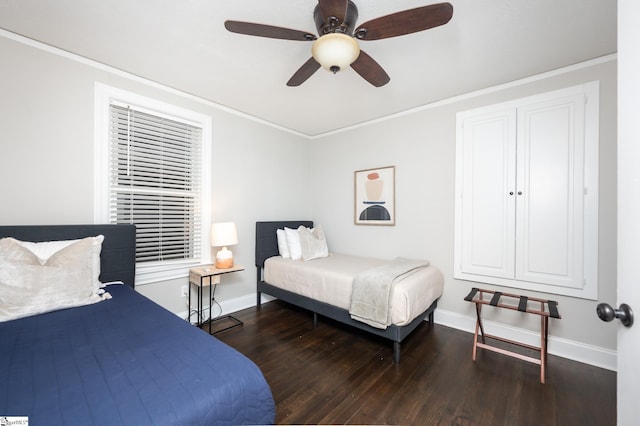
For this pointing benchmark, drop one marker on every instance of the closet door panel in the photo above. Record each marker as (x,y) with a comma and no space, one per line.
(550,192)
(488,200)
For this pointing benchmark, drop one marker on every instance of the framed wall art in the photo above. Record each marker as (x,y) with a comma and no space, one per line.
(375,196)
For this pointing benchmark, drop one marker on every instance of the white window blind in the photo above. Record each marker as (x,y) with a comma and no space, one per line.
(155,182)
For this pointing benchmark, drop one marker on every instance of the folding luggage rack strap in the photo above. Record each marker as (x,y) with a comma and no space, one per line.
(542,307)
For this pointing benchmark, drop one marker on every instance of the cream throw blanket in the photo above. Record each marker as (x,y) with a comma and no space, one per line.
(372,289)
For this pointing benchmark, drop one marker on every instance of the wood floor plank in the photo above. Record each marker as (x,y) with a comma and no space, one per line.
(334,374)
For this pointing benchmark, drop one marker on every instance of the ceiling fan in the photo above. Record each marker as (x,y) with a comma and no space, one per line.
(337,45)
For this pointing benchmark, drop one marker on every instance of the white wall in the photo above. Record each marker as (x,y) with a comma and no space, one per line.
(421,144)
(46,158)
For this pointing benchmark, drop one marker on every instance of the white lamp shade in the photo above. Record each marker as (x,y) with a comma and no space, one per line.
(335,51)
(224,234)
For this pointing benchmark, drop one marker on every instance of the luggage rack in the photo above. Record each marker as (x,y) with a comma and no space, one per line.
(521,304)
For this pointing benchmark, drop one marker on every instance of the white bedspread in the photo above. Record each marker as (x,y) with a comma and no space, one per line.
(330,280)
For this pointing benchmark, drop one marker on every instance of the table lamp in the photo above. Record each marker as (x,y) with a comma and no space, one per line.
(222,235)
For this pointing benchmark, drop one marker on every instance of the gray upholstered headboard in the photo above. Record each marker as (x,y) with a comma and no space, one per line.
(266,240)
(118,256)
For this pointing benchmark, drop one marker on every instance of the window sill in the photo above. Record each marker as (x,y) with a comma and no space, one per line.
(149,274)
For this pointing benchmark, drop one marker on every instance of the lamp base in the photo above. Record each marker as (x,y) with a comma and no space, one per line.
(224,263)
(224,259)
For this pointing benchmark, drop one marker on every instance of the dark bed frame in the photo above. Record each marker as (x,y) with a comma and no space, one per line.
(117,259)
(267,246)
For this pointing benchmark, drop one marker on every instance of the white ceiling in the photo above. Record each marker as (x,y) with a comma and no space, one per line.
(183,44)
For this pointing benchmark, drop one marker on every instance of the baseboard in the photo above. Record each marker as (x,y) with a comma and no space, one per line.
(226,307)
(581,352)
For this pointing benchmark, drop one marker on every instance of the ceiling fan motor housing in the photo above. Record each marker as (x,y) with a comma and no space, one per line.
(332,24)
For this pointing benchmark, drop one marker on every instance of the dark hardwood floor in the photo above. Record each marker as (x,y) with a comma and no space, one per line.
(334,374)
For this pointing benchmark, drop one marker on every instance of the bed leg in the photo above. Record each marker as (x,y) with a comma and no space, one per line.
(396,352)
(258,281)
(431,318)
(315,320)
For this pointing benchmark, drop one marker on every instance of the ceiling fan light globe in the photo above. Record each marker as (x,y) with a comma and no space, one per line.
(335,51)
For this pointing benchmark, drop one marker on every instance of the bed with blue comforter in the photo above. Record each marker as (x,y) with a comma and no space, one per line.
(123,360)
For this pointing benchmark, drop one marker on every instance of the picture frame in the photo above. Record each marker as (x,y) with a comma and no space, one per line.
(374,196)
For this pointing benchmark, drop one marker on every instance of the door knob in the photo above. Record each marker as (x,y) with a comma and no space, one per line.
(607,313)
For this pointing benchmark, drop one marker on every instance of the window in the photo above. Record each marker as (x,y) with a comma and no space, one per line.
(151,170)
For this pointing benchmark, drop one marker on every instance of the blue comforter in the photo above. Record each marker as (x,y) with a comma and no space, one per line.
(125,361)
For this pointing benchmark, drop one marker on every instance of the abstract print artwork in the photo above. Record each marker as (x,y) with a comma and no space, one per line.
(375,196)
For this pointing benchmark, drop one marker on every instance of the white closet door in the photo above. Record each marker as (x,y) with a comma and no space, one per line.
(487,200)
(550,185)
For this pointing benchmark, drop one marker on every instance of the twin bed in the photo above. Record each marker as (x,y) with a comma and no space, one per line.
(124,360)
(326,286)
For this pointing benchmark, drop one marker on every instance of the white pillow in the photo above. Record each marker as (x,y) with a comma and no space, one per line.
(45,249)
(293,243)
(313,243)
(28,287)
(282,243)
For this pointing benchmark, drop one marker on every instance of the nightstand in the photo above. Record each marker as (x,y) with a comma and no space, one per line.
(209,276)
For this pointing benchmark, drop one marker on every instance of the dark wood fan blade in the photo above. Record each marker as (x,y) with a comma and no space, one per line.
(370,70)
(337,8)
(269,31)
(304,72)
(405,22)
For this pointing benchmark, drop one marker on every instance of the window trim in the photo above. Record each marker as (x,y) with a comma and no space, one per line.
(104,96)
